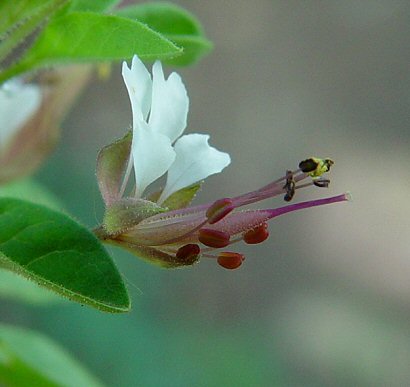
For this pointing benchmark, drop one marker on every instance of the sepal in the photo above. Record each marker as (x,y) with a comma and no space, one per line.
(151,254)
(157,257)
(112,162)
(179,199)
(126,213)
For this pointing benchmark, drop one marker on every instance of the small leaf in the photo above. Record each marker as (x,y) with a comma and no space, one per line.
(19,18)
(28,358)
(90,37)
(182,198)
(56,252)
(175,23)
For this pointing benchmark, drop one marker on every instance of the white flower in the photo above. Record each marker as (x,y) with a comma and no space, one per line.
(175,234)
(159,114)
(18,102)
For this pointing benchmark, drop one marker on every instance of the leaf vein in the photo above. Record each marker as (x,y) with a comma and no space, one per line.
(44,256)
(26,227)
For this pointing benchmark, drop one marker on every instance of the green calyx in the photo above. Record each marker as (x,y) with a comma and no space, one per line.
(126,213)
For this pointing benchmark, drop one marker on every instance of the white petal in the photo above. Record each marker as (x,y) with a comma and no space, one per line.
(195,161)
(170,103)
(152,154)
(139,86)
(18,102)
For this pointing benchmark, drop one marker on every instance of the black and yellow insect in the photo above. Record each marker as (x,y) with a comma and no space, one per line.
(315,167)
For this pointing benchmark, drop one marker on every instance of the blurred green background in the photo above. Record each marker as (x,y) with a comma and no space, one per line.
(326,300)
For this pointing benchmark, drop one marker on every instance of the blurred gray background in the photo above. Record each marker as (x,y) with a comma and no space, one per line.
(326,300)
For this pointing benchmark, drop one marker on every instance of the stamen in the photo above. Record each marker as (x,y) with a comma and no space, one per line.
(219,210)
(213,238)
(215,211)
(241,222)
(188,253)
(230,260)
(312,203)
(256,235)
(304,185)
(289,186)
(321,183)
(270,190)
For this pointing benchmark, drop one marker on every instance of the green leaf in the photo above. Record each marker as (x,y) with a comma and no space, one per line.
(58,253)
(175,23)
(90,37)
(166,18)
(195,47)
(19,18)
(13,286)
(93,5)
(14,13)
(28,358)
(28,189)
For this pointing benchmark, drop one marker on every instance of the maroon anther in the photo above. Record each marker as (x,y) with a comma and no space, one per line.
(213,238)
(257,234)
(230,260)
(219,210)
(188,253)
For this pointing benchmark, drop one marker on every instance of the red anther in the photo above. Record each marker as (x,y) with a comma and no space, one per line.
(188,253)
(256,235)
(230,260)
(219,210)
(213,238)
